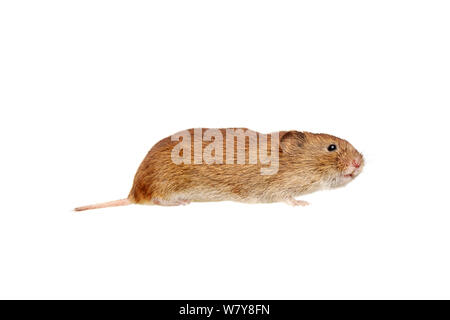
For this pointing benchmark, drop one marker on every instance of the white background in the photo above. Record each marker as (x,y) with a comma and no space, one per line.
(87,88)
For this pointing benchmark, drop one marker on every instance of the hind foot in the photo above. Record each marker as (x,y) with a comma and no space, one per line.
(170,202)
(293,202)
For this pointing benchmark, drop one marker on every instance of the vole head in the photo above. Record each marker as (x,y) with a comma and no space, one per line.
(333,161)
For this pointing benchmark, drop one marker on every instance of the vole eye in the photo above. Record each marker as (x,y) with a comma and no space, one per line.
(332,147)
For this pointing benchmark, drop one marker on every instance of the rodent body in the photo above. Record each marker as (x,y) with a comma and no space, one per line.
(306,162)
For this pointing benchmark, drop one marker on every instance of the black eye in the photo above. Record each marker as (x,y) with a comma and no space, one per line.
(332,147)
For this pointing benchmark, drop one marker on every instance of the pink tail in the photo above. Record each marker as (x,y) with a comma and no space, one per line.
(117,203)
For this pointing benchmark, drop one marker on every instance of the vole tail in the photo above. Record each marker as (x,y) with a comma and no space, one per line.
(116,203)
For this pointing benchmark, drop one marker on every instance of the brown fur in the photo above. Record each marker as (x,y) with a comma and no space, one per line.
(305,165)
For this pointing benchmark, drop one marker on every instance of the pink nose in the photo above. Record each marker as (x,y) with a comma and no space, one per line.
(356,164)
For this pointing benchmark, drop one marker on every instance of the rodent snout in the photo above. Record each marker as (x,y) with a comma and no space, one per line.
(356,163)
(354,167)
(357,160)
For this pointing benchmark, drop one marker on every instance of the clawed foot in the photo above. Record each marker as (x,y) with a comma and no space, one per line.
(171,202)
(293,202)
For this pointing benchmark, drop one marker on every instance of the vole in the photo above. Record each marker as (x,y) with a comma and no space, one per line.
(199,165)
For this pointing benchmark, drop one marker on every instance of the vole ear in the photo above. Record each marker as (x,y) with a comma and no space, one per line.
(292,142)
